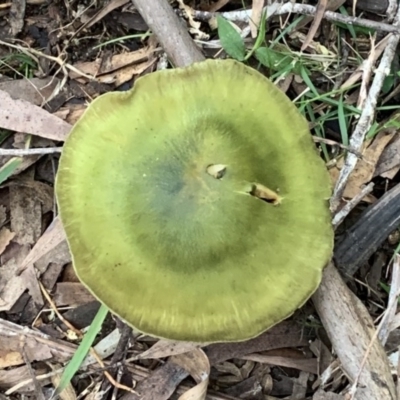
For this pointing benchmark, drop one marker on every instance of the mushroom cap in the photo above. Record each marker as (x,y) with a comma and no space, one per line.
(160,193)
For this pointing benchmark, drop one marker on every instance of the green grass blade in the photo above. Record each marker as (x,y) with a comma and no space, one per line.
(82,350)
(9,168)
(261,35)
(343,122)
(305,74)
(231,40)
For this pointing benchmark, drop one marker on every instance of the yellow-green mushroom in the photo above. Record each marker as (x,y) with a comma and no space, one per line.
(196,205)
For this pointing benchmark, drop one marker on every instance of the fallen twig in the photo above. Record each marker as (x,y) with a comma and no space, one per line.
(171,33)
(344,211)
(29,152)
(367,115)
(297,8)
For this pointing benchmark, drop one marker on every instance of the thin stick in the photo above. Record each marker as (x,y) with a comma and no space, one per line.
(345,211)
(333,143)
(367,116)
(29,152)
(297,8)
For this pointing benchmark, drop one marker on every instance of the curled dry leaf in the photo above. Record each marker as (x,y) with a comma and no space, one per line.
(365,168)
(21,116)
(116,62)
(198,366)
(194,25)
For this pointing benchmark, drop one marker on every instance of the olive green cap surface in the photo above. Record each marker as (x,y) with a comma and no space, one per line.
(174,247)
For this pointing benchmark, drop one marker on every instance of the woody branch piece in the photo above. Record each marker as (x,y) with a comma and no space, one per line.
(172,34)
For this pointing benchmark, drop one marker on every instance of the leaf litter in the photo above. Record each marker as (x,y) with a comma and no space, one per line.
(37,97)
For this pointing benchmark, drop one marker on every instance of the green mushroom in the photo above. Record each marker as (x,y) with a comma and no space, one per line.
(196,205)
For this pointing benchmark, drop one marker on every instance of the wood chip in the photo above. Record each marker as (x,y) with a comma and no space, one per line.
(5,238)
(17,14)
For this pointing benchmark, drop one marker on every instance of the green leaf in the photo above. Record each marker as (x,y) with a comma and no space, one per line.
(83,349)
(275,60)
(231,40)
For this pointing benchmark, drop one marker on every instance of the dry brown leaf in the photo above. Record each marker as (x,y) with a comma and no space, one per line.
(72,113)
(160,385)
(112,5)
(34,90)
(52,237)
(300,385)
(38,346)
(305,364)
(389,161)
(285,334)
(198,366)
(19,273)
(12,285)
(40,190)
(216,6)
(117,61)
(256,13)
(25,215)
(166,348)
(365,168)
(21,116)
(72,294)
(5,238)
(125,74)
(10,358)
